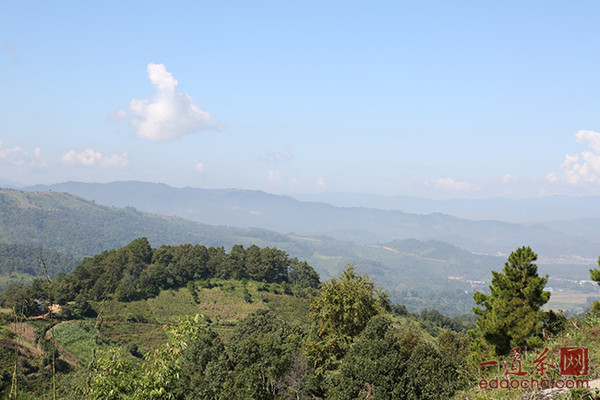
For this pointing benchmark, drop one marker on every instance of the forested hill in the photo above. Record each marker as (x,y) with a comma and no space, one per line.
(284,214)
(21,263)
(79,227)
(137,271)
(72,225)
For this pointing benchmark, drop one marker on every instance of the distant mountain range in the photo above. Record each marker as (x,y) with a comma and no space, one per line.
(417,273)
(284,214)
(525,210)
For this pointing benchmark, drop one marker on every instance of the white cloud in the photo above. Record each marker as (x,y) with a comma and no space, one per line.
(508,178)
(321,182)
(583,168)
(451,184)
(170,114)
(115,161)
(91,158)
(19,157)
(591,138)
(274,177)
(198,166)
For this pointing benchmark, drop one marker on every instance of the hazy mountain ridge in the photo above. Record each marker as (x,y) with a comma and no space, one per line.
(525,210)
(285,214)
(76,226)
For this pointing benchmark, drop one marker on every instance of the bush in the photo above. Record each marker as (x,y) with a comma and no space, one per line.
(247,296)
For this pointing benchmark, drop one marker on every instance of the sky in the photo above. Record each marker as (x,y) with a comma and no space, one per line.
(437,99)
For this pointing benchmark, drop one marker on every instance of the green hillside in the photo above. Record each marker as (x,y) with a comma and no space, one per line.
(22,264)
(76,226)
(234,311)
(80,228)
(253,323)
(136,327)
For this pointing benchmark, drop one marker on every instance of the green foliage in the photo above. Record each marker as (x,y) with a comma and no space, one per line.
(20,299)
(340,312)
(19,260)
(303,274)
(163,368)
(247,296)
(191,286)
(345,305)
(511,314)
(80,308)
(595,273)
(261,350)
(434,322)
(553,322)
(137,272)
(113,377)
(373,367)
(205,369)
(429,375)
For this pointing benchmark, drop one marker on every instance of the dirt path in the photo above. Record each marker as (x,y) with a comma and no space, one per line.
(27,339)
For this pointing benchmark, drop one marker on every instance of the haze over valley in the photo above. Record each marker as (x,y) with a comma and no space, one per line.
(425,260)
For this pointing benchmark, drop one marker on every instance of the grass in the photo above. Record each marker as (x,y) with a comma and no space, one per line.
(141,322)
(77,337)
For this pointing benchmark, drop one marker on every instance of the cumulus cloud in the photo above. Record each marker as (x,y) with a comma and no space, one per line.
(582,168)
(451,184)
(170,114)
(91,158)
(19,157)
(198,166)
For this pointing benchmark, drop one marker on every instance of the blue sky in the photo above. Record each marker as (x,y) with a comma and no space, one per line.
(431,98)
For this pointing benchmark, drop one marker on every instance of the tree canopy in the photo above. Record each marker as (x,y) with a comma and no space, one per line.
(510,315)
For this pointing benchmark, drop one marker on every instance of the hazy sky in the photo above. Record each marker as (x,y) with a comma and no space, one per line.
(430,98)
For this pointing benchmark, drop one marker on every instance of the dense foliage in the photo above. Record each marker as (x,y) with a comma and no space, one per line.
(595,273)
(21,263)
(269,358)
(137,271)
(350,342)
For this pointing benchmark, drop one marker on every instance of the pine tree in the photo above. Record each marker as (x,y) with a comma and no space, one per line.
(595,273)
(510,315)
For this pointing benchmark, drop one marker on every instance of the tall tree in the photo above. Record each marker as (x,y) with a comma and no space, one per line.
(340,312)
(510,315)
